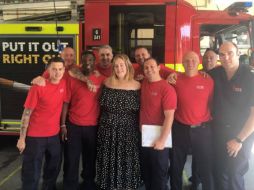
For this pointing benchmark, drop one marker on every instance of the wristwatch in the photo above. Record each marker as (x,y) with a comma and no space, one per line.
(238,140)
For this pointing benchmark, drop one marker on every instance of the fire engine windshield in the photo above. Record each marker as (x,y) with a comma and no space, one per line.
(213,35)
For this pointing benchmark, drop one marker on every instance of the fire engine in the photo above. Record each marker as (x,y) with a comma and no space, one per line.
(168,28)
(25,49)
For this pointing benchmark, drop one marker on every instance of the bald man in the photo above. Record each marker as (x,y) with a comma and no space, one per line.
(233,118)
(209,62)
(191,128)
(69,57)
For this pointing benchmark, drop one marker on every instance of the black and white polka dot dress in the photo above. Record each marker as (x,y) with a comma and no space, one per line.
(118,164)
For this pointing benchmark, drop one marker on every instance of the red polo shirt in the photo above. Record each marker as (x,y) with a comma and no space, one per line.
(194,97)
(46,103)
(84,106)
(104,71)
(156,97)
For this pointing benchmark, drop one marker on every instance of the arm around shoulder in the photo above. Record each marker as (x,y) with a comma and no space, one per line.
(39,80)
(136,84)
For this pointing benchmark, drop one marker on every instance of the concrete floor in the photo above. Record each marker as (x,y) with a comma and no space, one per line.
(10,167)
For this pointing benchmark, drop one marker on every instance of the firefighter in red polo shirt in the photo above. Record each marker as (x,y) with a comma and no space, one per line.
(191,128)
(158,104)
(40,125)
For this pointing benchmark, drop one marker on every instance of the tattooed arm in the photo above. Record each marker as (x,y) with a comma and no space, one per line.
(76,73)
(23,129)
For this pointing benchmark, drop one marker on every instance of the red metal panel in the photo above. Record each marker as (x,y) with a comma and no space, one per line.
(221,15)
(183,42)
(170,36)
(96,16)
(182,24)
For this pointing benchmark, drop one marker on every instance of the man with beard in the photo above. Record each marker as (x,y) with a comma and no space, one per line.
(81,130)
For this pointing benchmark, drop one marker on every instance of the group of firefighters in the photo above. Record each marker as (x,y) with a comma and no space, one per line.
(210,113)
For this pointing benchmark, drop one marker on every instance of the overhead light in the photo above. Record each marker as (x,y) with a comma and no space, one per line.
(238,7)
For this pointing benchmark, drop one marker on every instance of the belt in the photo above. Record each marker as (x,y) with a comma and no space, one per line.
(202,125)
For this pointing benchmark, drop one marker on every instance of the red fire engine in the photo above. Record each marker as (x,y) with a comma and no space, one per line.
(168,28)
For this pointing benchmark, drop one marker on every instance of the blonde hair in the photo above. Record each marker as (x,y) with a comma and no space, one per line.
(129,69)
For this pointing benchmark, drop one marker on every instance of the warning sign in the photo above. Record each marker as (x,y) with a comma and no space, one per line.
(30,50)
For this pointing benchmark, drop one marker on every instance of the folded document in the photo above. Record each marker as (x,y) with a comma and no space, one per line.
(150,133)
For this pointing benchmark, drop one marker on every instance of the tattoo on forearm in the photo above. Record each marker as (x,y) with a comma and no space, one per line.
(24,122)
(78,74)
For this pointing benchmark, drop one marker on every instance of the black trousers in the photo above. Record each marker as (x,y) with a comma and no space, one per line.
(229,171)
(194,174)
(198,139)
(36,149)
(80,139)
(154,168)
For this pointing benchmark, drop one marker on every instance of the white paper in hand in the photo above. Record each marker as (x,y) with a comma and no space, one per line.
(150,133)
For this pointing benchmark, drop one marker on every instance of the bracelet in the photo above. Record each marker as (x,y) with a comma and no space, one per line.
(63,125)
(238,140)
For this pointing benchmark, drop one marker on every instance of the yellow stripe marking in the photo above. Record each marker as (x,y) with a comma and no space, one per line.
(179,66)
(185,178)
(10,175)
(11,122)
(49,28)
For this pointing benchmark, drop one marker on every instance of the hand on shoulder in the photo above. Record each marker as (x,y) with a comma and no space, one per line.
(136,85)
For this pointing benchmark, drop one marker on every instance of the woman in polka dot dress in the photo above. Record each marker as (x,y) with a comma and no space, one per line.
(118,164)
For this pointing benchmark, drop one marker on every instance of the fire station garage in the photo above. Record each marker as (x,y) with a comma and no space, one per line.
(58,54)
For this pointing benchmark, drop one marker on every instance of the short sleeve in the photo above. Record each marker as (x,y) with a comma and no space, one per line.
(169,98)
(32,97)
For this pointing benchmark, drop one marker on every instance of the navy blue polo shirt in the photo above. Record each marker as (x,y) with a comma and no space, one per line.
(233,98)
